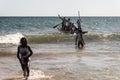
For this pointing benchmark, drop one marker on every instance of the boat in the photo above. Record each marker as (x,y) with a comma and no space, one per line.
(68,31)
(68,27)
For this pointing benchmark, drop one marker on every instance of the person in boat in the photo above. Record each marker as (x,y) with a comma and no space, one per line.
(23,54)
(64,20)
(72,28)
(65,23)
(68,24)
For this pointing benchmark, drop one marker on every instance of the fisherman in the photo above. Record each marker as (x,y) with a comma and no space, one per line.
(67,28)
(64,21)
(79,24)
(72,28)
(79,39)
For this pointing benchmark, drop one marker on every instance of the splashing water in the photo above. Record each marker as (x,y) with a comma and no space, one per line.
(11,38)
(38,74)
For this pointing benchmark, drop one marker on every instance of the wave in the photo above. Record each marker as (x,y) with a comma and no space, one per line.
(49,38)
(55,38)
(11,38)
(103,37)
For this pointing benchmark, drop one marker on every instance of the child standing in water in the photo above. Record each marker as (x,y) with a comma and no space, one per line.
(23,54)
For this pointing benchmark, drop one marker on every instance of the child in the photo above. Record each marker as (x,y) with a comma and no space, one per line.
(23,54)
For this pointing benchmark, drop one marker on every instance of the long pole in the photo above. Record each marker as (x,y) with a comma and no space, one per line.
(79,14)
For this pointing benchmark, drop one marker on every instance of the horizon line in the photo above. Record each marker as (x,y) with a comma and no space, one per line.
(57,16)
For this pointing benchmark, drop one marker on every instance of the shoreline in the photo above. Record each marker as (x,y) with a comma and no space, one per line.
(87,65)
(97,61)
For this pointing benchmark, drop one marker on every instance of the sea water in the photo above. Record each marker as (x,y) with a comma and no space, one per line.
(55,56)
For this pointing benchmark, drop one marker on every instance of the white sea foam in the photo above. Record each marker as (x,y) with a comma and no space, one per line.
(11,38)
(38,74)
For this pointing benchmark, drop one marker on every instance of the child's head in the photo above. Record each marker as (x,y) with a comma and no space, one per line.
(23,41)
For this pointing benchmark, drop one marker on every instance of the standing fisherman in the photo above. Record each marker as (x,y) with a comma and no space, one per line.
(79,30)
(79,24)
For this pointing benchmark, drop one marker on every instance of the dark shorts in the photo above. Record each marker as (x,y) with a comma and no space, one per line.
(25,60)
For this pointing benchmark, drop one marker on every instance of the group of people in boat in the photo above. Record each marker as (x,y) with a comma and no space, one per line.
(68,26)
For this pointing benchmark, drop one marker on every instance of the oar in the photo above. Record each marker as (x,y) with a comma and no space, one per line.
(60,17)
(56,26)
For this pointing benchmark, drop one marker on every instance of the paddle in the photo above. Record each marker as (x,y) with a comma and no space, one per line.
(60,23)
(56,26)
(60,17)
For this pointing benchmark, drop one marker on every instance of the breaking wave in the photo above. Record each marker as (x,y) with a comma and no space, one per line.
(110,36)
(10,38)
(56,38)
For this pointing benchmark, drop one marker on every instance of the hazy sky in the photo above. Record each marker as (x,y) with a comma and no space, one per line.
(62,7)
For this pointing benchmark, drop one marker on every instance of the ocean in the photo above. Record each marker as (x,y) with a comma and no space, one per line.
(55,56)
